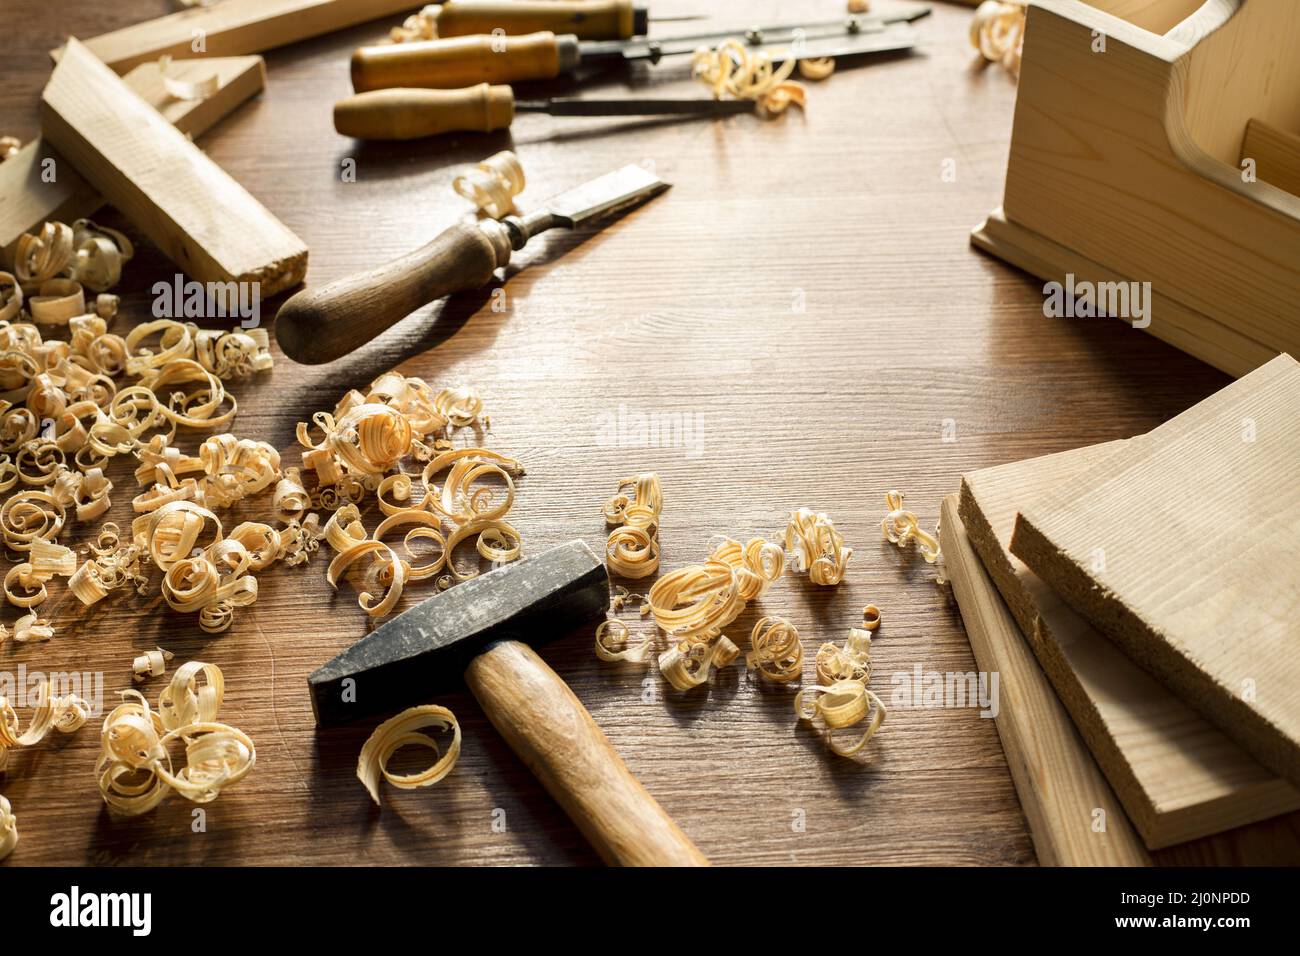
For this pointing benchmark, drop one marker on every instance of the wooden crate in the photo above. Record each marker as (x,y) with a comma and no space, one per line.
(1131,162)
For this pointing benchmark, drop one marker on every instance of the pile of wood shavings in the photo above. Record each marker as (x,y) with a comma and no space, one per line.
(135,772)
(997,30)
(632,550)
(64,714)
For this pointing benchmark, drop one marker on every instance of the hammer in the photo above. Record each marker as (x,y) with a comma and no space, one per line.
(485,629)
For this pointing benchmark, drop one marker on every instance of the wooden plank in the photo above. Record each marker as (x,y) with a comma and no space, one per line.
(192,209)
(1178,777)
(1276,153)
(1184,548)
(235,27)
(26,201)
(1060,786)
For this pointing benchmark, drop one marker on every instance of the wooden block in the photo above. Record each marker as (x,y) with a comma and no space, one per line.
(1178,776)
(1184,548)
(186,204)
(26,201)
(235,26)
(1276,153)
(1128,160)
(1060,786)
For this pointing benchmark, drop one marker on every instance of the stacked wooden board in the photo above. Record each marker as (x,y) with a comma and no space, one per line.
(1156,581)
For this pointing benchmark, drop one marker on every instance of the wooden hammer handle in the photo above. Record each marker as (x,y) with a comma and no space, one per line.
(550,730)
(320,325)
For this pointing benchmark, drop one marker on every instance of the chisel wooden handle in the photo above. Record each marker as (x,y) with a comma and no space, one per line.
(586,19)
(320,325)
(550,730)
(458,62)
(411,114)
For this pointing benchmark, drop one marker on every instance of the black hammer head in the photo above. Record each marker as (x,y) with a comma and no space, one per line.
(427,648)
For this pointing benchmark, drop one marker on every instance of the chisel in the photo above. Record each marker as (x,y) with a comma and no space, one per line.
(458,62)
(320,325)
(411,114)
(585,19)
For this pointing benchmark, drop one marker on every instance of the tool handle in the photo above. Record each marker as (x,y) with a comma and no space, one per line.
(461,61)
(550,730)
(586,19)
(320,325)
(411,114)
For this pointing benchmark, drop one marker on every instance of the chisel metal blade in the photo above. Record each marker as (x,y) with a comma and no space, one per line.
(604,196)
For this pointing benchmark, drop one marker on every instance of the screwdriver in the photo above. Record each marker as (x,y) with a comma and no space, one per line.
(585,19)
(412,113)
(457,62)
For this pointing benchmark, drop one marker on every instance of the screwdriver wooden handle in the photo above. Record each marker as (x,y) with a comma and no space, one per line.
(586,19)
(320,325)
(458,62)
(550,730)
(411,114)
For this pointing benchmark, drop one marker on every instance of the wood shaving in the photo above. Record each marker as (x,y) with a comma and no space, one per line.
(850,662)
(150,664)
(135,770)
(493,184)
(817,69)
(632,550)
(9,147)
(11,296)
(842,705)
(735,69)
(900,527)
(404,730)
(816,547)
(63,714)
(997,30)
(8,827)
(689,664)
(776,652)
(422,25)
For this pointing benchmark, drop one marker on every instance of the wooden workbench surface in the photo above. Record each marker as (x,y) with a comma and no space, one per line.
(805,295)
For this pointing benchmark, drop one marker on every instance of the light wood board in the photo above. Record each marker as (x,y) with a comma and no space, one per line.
(1073,814)
(207,223)
(234,27)
(1178,776)
(1184,548)
(1276,153)
(27,201)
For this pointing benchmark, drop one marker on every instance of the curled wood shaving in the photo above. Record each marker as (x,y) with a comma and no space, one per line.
(422,25)
(493,184)
(690,663)
(135,770)
(632,550)
(8,822)
(997,30)
(236,354)
(850,662)
(100,255)
(404,730)
(11,296)
(63,714)
(816,547)
(614,643)
(42,255)
(58,301)
(180,89)
(696,602)
(9,147)
(733,68)
(817,69)
(900,527)
(842,705)
(150,664)
(776,651)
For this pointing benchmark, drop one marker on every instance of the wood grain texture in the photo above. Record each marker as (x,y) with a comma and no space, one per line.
(551,732)
(1073,814)
(206,222)
(239,26)
(1276,153)
(27,200)
(805,291)
(1178,777)
(1184,548)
